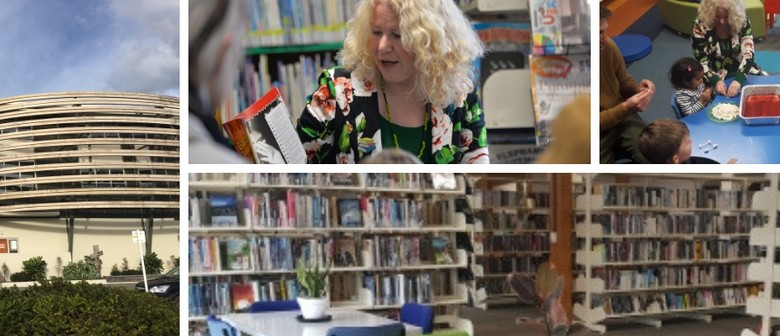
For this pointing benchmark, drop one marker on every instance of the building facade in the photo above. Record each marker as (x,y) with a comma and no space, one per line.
(79,169)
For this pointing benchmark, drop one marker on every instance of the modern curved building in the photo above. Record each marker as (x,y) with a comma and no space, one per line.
(88,157)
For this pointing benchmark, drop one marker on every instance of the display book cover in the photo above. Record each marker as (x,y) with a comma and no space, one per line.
(264,133)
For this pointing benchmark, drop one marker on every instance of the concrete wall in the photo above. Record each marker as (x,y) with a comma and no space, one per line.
(47,237)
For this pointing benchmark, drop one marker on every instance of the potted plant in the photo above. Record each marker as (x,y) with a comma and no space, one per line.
(313,298)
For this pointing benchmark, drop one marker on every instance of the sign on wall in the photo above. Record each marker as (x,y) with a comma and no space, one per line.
(9,245)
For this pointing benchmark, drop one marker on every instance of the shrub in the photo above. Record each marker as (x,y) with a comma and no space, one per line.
(62,308)
(21,277)
(174,262)
(116,271)
(81,270)
(6,273)
(153,264)
(36,268)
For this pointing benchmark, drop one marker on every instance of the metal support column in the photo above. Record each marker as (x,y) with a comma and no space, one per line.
(70,220)
(149,229)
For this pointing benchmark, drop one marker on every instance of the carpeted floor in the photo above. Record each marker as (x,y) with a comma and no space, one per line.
(501,322)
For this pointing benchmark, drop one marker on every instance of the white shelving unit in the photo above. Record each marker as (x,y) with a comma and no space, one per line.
(663,245)
(493,6)
(511,233)
(766,270)
(430,219)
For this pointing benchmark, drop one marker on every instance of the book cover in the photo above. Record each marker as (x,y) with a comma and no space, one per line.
(349,213)
(223,210)
(345,252)
(555,81)
(242,294)
(561,26)
(264,133)
(237,254)
(441,247)
(502,73)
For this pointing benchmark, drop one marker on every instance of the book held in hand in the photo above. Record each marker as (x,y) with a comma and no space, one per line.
(263,133)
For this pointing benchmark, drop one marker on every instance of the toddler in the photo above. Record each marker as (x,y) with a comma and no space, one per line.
(669,141)
(687,77)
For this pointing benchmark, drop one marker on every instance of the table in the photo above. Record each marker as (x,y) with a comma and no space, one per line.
(749,144)
(285,323)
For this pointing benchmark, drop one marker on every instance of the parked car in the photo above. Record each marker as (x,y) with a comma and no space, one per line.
(166,286)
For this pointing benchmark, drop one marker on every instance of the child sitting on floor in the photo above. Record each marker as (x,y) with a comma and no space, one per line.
(669,141)
(687,77)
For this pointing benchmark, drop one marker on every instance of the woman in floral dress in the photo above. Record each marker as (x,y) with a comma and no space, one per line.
(723,42)
(405,82)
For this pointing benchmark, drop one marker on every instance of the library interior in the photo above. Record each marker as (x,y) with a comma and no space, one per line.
(483,253)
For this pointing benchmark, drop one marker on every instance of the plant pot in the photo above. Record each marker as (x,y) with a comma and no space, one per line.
(313,308)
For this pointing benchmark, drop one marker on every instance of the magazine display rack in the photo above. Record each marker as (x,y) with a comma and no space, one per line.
(663,245)
(388,239)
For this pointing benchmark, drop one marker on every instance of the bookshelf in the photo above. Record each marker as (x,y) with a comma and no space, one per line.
(492,6)
(511,233)
(766,270)
(388,238)
(654,246)
(287,45)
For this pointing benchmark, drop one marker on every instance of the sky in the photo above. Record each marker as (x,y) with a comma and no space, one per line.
(102,45)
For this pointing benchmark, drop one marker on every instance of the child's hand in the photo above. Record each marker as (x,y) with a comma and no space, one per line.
(732,161)
(706,96)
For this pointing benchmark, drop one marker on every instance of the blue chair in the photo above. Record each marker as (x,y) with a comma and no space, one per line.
(218,327)
(675,107)
(394,329)
(419,315)
(271,306)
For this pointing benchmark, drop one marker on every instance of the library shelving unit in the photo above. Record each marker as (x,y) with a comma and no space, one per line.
(511,233)
(388,239)
(288,45)
(654,246)
(491,6)
(766,270)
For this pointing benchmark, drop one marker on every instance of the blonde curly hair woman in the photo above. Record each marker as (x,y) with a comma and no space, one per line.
(405,82)
(723,43)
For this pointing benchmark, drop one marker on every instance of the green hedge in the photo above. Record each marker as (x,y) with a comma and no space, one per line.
(62,308)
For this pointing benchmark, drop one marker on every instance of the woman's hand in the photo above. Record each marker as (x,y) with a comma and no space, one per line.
(720,88)
(645,85)
(733,89)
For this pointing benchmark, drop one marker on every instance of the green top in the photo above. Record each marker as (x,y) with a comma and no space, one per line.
(409,138)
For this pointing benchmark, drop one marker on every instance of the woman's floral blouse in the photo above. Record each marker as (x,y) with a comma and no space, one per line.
(341,124)
(722,58)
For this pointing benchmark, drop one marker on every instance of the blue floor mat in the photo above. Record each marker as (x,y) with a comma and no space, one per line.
(769,61)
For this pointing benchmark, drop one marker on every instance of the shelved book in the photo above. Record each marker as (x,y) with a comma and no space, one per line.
(264,133)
